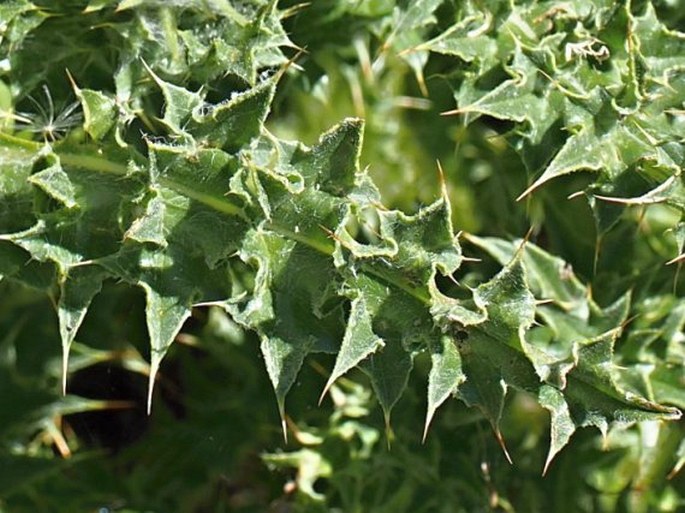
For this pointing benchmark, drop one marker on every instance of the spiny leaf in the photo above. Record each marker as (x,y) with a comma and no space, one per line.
(359,342)
(406,33)
(206,206)
(389,372)
(516,100)
(77,291)
(292,330)
(611,152)
(446,374)
(179,103)
(99,112)
(54,181)
(562,425)
(467,40)
(232,124)
(150,226)
(578,362)
(16,164)
(166,311)
(492,351)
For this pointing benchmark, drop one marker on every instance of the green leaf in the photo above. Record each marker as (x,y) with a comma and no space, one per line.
(179,103)
(167,307)
(578,361)
(516,100)
(389,372)
(55,182)
(611,152)
(406,31)
(358,343)
(663,50)
(232,124)
(446,375)
(77,291)
(492,351)
(99,112)
(467,40)
(150,226)
(16,164)
(197,203)
(562,426)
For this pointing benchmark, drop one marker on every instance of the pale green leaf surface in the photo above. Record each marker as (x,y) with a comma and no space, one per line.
(549,277)
(76,293)
(611,152)
(232,124)
(55,182)
(407,27)
(467,40)
(653,351)
(150,226)
(446,375)
(282,308)
(492,351)
(16,163)
(99,112)
(562,425)
(166,309)
(389,372)
(416,16)
(358,342)
(663,50)
(179,103)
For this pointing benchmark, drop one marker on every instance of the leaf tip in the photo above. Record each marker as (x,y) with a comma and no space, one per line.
(429,418)
(503,445)
(522,245)
(329,383)
(74,86)
(443,182)
(154,368)
(550,457)
(537,183)
(388,429)
(151,73)
(281,414)
(453,112)
(65,367)
(676,260)
(527,191)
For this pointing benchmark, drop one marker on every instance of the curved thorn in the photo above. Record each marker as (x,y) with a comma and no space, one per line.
(676,260)
(530,189)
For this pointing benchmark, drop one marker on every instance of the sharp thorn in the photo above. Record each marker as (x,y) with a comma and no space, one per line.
(500,440)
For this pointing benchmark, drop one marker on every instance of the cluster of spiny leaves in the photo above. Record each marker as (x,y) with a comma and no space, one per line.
(588,86)
(164,176)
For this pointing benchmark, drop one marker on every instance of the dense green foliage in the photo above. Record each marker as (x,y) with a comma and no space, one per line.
(206,202)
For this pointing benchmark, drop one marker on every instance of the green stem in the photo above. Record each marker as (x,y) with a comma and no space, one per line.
(93,163)
(326,249)
(219,204)
(22,143)
(402,284)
